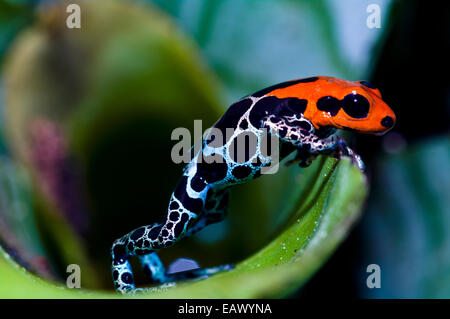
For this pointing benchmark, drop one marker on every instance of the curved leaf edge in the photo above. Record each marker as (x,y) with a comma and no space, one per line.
(336,209)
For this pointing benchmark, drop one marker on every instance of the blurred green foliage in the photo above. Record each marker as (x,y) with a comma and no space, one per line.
(253,44)
(409,219)
(14,16)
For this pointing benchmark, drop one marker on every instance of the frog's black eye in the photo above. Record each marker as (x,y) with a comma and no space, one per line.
(368,84)
(356,105)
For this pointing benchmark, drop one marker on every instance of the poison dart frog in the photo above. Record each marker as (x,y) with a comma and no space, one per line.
(301,114)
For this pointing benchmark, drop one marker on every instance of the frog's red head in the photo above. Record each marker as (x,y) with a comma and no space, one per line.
(343,104)
(351,105)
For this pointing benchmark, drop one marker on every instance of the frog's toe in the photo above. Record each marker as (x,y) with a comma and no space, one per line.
(200,273)
(144,290)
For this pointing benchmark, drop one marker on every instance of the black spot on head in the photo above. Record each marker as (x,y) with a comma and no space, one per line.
(283,85)
(115,274)
(127,278)
(241,172)
(164,233)
(232,116)
(138,233)
(329,104)
(169,225)
(368,84)
(356,105)
(387,122)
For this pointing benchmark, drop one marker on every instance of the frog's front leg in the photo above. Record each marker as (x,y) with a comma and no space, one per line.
(309,145)
(302,157)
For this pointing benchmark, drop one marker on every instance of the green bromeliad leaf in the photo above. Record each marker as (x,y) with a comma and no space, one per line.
(319,222)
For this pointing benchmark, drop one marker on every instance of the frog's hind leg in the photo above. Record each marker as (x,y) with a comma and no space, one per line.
(146,240)
(215,210)
(186,215)
(143,242)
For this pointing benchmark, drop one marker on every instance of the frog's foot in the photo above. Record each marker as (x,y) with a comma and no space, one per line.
(188,275)
(199,273)
(342,149)
(302,157)
(159,288)
(156,273)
